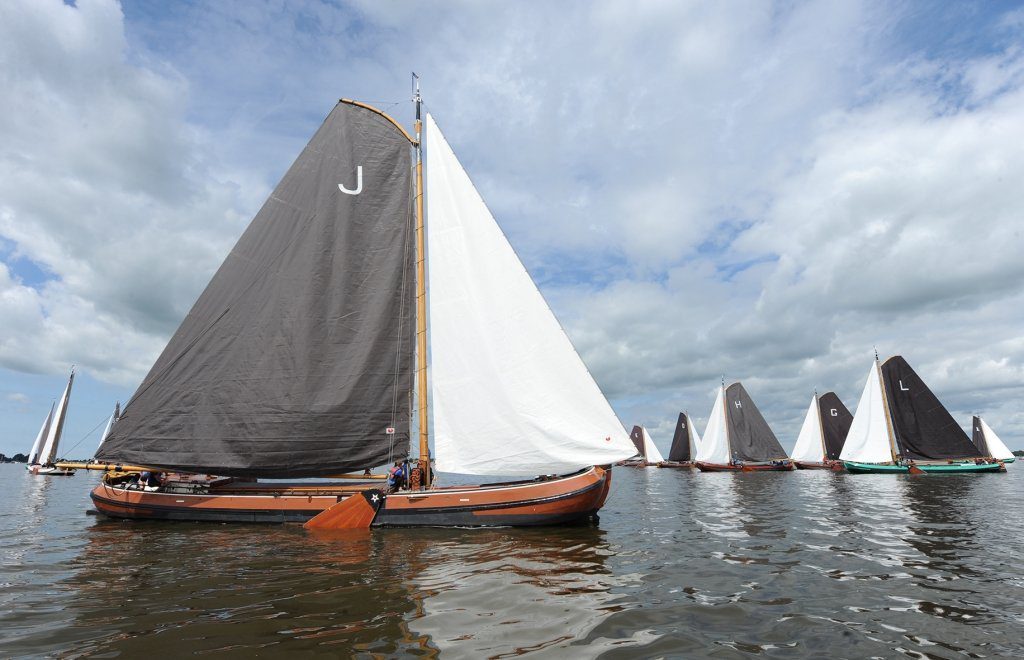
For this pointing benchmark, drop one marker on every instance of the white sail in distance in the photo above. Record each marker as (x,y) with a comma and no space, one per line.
(106,432)
(509,394)
(809,447)
(869,439)
(33,455)
(49,450)
(996,446)
(694,437)
(651,453)
(714,445)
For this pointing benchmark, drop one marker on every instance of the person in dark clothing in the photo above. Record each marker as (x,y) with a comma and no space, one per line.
(397,477)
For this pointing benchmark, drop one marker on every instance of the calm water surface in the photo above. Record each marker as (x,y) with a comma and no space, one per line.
(807,564)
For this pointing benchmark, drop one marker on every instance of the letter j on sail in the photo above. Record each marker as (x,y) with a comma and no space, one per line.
(359,183)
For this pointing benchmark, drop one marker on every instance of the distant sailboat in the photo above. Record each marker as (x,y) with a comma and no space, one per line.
(684,443)
(900,426)
(44,449)
(738,438)
(989,444)
(298,359)
(645,447)
(823,433)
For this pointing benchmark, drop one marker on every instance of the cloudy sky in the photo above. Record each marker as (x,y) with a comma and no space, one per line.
(760,191)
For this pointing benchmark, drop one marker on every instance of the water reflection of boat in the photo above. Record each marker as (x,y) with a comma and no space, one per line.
(501,594)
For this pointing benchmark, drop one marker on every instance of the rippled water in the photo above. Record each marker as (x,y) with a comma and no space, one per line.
(804,564)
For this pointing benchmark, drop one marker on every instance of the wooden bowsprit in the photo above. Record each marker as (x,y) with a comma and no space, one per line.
(354,512)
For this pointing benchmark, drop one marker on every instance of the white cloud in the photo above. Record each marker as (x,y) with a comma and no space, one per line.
(760,191)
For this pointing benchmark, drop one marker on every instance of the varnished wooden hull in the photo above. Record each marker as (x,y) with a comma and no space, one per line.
(677,464)
(781,466)
(827,465)
(549,502)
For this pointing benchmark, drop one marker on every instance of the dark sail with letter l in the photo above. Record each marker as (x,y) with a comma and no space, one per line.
(835,424)
(923,427)
(978,437)
(750,437)
(297,358)
(680,450)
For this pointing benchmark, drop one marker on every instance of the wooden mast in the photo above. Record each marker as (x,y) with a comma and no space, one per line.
(421,299)
(821,428)
(885,408)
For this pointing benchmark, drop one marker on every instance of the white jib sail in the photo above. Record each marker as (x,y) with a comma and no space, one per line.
(49,451)
(651,453)
(714,446)
(694,437)
(33,456)
(868,440)
(103,436)
(808,447)
(510,395)
(996,447)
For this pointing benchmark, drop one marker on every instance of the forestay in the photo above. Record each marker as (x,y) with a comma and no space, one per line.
(868,440)
(297,358)
(714,444)
(809,447)
(510,396)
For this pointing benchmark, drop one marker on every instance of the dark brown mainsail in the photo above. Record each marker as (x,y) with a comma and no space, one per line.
(923,427)
(680,449)
(978,437)
(835,424)
(297,358)
(750,437)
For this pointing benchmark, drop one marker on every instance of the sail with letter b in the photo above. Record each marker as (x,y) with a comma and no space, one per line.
(684,444)
(298,355)
(510,396)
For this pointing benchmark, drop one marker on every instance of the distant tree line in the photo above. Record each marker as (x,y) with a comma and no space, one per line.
(17,458)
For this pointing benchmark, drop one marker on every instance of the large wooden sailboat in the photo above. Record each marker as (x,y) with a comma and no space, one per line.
(822,434)
(647,453)
(43,455)
(684,443)
(901,427)
(737,437)
(988,443)
(298,360)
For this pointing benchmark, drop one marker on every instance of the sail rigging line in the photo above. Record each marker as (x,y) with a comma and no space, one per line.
(83,438)
(256,278)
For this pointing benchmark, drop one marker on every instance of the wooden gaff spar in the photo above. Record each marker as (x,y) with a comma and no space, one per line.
(299,359)
(901,427)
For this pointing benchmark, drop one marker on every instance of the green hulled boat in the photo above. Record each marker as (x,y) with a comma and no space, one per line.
(888,468)
(901,427)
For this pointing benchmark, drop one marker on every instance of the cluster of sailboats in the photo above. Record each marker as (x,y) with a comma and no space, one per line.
(900,426)
(307,357)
